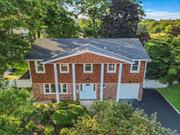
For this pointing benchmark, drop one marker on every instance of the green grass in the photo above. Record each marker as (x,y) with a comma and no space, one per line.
(172,94)
(20,69)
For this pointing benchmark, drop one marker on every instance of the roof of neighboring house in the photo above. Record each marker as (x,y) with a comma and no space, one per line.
(121,48)
(26,75)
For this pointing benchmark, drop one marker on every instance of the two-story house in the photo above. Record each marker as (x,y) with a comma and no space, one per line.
(87,69)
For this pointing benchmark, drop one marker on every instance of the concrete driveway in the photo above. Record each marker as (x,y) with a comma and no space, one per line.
(154,102)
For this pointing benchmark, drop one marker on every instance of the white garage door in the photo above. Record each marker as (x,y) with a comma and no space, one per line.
(129,91)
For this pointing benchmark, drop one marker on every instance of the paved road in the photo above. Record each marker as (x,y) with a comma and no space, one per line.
(154,102)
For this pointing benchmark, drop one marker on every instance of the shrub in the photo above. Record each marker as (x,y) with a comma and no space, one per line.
(64,131)
(18,101)
(113,118)
(68,115)
(9,125)
(30,126)
(49,130)
(64,117)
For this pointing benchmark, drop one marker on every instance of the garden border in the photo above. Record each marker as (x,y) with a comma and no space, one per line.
(178,112)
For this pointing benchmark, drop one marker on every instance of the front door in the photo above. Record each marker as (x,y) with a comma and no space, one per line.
(88,91)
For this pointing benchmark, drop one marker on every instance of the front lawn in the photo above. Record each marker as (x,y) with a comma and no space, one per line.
(172,94)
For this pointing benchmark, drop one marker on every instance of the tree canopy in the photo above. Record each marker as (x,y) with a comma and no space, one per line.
(165,54)
(122,20)
(41,18)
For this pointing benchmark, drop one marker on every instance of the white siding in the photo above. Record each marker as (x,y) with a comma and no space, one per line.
(23,83)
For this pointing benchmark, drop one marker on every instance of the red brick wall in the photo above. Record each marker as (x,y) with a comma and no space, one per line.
(38,93)
(128,77)
(109,92)
(48,76)
(88,58)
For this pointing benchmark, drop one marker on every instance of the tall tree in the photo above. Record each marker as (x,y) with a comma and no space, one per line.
(42,18)
(165,54)
(92,10)
(13,47)
(122,20)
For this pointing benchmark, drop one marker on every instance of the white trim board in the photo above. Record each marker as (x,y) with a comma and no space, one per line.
(86,51)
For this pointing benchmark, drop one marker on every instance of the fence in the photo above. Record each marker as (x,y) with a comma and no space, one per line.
(23,83)
(154,84)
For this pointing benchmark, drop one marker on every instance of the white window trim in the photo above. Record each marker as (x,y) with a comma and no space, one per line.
(137,71)
(49,89)
(54,92)
(37,67)
(108,71)
(85,68)
(62,87)
(61,68)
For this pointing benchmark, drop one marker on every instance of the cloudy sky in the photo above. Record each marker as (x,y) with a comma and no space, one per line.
(162,9)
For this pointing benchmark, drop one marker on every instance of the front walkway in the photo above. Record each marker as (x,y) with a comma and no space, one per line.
(154,102)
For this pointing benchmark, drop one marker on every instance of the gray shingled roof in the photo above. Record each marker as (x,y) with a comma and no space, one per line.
(122,48)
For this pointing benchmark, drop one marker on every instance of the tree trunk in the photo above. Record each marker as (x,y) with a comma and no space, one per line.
(170,83)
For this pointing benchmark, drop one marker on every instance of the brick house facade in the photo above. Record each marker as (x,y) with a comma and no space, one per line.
(110,77)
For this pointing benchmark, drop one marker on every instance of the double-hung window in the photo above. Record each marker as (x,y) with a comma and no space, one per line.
(40,68)
(111,68)
(47,88)
(135,67)
(88,68)
(64,68)
(51,88)
(63,88)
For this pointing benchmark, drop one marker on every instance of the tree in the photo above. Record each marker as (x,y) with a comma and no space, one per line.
(87,27)
(13,46)
(165,54)
(41,18)
(122,19)
(113,118)
(92,10)
(18,101)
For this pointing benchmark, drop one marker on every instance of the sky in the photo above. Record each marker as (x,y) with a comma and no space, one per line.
(161,9)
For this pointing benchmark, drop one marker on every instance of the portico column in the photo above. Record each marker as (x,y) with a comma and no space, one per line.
(102,82)
(74,81)
(56,82)
(119,81)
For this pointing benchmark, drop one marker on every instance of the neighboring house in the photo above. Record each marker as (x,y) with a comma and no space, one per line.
(87,69)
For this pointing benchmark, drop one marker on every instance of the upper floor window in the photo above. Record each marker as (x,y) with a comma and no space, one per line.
(88,68)
(135,67)
(40,68)
(64,68)
(111,68)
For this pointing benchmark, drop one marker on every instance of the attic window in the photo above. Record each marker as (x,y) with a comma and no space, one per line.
(135,67)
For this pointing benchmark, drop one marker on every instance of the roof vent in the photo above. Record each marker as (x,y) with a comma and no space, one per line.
(105,48)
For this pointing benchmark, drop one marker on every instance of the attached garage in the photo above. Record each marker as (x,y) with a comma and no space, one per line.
(129,91)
